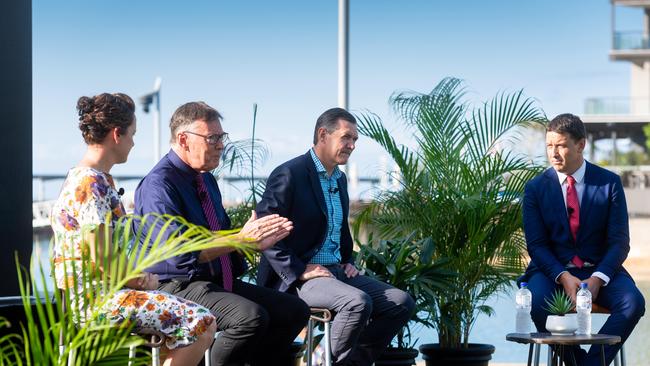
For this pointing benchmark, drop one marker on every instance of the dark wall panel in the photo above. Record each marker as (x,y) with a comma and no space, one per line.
(15,139)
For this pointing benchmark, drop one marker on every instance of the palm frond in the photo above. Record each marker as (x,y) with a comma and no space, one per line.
(83,331)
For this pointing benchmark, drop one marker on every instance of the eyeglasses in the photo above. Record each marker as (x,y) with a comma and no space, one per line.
(212,139)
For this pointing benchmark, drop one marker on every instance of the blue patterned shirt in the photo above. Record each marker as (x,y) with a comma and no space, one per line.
(330,252)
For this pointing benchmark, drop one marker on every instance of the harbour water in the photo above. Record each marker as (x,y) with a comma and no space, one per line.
(490,330)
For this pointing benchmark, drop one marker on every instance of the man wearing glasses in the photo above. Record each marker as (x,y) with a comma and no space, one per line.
(257,324)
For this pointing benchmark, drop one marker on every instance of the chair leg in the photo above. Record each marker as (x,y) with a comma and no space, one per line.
(71,357)
(206,357)
(131,354)
(536,349)
(621,354)
(328,345)
(310,341)
(549,361)
(155,356)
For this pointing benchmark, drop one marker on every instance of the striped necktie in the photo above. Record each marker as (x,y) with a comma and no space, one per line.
(213,223)
(573,210)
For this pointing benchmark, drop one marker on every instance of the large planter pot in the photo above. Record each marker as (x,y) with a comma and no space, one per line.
(475,355)
(397,357)
(562,325)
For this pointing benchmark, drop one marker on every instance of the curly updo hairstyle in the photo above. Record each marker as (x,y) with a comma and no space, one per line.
(98,115)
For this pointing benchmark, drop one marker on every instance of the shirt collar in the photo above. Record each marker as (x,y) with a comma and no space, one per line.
(320,168)
(578,175)
(177,162)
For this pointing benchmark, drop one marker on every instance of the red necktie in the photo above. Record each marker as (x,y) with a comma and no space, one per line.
(573,210)
(213,223)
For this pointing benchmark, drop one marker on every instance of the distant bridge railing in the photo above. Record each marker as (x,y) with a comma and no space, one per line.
(41,207)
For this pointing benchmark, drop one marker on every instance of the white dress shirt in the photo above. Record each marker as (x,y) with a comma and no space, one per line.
(579,176)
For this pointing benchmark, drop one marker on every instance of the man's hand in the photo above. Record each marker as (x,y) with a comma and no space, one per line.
(350,270)
(266,231)
(594,284)
(314,271)
(147,281)
(571,285)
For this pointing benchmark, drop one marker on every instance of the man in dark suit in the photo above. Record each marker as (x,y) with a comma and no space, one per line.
(315,261)
(257,325)
(576,226)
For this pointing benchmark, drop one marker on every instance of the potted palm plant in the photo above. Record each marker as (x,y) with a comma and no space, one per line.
(461,188)
(407,264)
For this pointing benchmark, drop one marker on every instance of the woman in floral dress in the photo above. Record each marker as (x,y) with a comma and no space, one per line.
(107,123)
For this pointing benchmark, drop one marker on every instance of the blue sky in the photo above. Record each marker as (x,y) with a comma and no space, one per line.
(282,55)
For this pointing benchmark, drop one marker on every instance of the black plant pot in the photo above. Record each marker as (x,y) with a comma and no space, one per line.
(397,357)
(475,355)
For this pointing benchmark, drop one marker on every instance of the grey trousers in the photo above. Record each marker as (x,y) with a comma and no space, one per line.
(367,314)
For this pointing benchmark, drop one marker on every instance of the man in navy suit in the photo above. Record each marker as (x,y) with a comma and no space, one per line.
(315,261)
(576,226)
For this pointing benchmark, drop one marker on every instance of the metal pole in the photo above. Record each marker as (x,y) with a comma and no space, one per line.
(156,121)
(614,149)
(344,22)
(613,20)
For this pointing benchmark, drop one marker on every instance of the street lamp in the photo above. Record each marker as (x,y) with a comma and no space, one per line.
(147,100)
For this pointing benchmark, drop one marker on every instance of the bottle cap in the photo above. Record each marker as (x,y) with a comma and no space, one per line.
(523,284)
(583,285)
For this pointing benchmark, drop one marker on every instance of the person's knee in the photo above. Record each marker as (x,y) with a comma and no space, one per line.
(299,311)
(360,302)
(406,303)
(207,337)
(253,318)
(635,305)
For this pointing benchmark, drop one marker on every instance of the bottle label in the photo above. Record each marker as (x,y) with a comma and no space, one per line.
(583,302)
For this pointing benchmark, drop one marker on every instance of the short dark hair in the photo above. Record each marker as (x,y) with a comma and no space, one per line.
(186,114)
(568,123)
(330,119)
(101,113)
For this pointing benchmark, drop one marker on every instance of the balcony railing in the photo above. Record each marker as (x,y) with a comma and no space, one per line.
(618,106)
(631,40)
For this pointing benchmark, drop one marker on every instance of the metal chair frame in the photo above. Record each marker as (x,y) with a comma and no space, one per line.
(323,316)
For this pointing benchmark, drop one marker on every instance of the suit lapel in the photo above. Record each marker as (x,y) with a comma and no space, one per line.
(587,198)
(557,199)
(345,200)
(315,183)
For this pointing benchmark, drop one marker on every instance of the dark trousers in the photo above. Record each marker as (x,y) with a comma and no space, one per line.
(368,314)
(257,324)
(620,296)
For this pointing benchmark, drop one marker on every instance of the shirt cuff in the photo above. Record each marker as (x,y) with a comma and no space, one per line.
(557,278)
(602,276)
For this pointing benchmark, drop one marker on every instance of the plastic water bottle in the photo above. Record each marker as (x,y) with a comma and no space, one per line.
(523,301)
(583,308)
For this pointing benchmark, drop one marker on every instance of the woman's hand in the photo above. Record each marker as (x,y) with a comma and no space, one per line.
(266,231)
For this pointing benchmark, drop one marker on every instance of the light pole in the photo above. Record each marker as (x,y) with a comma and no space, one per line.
(146,101)
(344,26)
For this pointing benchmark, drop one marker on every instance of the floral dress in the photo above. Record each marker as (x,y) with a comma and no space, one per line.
(86,198)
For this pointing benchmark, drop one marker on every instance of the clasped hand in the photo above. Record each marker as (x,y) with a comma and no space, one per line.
(146,281)
(571,285)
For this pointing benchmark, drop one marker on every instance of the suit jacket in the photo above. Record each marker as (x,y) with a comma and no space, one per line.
(293,191)
(603,235)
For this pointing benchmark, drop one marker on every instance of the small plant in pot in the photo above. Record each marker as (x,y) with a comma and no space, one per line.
(560,322)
